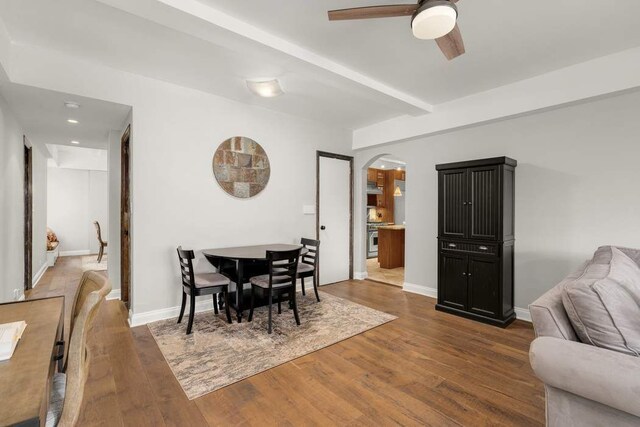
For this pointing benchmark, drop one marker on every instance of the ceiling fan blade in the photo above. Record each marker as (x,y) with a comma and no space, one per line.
(451,45)
(387,11)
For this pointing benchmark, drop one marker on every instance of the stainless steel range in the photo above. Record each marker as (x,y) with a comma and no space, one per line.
(372,238)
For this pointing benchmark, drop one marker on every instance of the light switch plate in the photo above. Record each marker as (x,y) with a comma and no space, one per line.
(309,209)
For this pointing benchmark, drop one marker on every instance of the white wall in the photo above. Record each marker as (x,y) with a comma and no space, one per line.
(114,206)
(175,198)
(11,204)
(76,198)
(576,188)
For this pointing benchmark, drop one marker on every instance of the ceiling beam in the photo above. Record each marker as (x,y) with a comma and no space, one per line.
(220,19)
(599,77)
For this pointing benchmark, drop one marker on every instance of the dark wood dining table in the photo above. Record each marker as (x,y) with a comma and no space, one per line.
(241,263)
(25,378)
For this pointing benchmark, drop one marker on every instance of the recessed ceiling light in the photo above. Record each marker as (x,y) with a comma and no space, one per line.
(72,121)
(71,104)
(399,168)
(75,142)
(265,88)
(382,166)
(434,19)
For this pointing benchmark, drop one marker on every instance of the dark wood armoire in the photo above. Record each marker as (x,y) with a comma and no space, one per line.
(476,239)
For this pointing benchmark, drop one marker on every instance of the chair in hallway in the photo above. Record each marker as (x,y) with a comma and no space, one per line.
(197,284)
(67,389)
(283,270)
(102,243)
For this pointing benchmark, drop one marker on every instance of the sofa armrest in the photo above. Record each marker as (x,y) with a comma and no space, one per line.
(602,375)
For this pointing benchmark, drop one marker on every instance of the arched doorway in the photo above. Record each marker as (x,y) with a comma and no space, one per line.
(385,225)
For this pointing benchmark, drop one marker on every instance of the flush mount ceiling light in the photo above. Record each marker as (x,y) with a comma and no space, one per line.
(72,121)
(71,104)
(265,88)
(434,19)
(75,142)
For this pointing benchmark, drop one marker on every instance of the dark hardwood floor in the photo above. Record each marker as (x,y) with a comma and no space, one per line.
(425,368)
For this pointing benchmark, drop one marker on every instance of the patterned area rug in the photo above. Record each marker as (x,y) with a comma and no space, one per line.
(218,354)
(90,262)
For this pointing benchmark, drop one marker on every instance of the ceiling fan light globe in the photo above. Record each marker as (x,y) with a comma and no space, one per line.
(434,22)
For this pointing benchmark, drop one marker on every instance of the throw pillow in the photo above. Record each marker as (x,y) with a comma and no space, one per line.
(604,312)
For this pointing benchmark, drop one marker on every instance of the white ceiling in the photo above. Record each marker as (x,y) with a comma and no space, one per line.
(506,41)
(44,116)
(215,61)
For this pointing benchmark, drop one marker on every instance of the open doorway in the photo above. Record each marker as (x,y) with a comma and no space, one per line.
(72,187)
(386,225)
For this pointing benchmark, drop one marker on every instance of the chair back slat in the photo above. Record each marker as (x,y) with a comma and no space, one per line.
(313,254)
(185,258)
(283,266)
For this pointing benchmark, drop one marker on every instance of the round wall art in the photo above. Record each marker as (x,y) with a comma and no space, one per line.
(241,167)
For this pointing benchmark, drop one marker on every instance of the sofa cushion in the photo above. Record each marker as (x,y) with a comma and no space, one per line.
(604,312)
(626,272)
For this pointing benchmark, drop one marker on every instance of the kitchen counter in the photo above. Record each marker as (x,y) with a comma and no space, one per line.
(391,246)
(391,227)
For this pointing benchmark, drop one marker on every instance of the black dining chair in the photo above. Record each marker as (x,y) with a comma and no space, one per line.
(197,284)
(308,266)
(283,270)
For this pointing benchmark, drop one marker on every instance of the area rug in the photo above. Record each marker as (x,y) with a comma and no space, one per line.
(218,354)
(90,262)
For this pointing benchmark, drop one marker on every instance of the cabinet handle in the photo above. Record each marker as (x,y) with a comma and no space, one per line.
(464,203)
(452,245)
(469,203)
(483,248)
(469,274)
(464,274)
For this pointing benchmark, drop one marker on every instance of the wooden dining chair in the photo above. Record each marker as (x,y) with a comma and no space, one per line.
(102,243)
(197,284)
(67,389)
(283,270)
(309,262)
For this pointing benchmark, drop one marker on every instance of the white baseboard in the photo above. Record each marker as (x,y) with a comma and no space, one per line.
(522,314)
(360,275)
(168,313)
(39,274)
(114,294)
(75,253)
(421,290)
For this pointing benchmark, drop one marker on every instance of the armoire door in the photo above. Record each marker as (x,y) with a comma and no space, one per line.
(453,203)
(453,280)
(484,285)
(483,202)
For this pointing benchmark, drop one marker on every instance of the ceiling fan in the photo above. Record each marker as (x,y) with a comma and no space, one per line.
(430,20)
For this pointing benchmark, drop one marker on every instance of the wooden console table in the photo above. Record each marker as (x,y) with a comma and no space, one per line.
(26,377)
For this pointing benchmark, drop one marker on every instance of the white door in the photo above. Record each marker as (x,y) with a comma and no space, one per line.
(334,215)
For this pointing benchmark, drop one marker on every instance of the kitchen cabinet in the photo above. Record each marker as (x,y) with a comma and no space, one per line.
(476,239)
(371,175)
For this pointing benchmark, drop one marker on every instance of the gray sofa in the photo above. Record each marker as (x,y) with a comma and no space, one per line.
(584,385)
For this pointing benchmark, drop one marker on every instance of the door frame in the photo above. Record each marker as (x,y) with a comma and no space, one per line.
(350,160)
(125,217)
(28,213)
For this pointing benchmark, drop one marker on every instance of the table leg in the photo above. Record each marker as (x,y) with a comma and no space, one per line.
(240,290)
